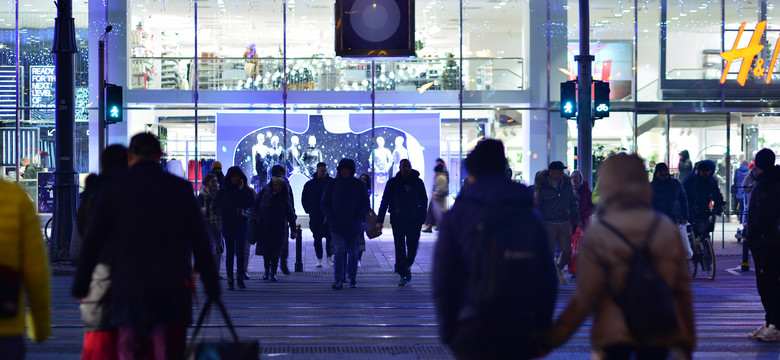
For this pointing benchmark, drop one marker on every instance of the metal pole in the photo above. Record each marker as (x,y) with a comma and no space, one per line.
(284,78)
(101,97)
(728,180)
(65,186)
(298,249)
(460,97)
(547,104)
(373,125)
(197,122)
(584,82)
(17,145)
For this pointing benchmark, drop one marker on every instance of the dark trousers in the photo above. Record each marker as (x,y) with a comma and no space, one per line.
(319,232)
(161,341)
(767,261)
(12,347)
(285,253)
(407,239)
(478,339)
(234,244)
(627,351)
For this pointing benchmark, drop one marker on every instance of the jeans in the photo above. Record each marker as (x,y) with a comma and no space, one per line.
(234,243)
(217,246)
(560,233)
(163,341)
(346,254)
(12,347)
(407,240)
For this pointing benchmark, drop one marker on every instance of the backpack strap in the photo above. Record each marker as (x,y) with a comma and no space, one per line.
(633,247)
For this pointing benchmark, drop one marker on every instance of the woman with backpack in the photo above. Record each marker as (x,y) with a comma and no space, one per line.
(649,316)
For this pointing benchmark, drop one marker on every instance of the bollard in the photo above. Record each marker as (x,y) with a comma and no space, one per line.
(299,250)
(745,259)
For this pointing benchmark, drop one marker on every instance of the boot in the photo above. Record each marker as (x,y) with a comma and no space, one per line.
(230,284)
(241,282)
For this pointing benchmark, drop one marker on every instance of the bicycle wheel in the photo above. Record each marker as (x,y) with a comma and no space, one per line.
(48,230)
(708,258)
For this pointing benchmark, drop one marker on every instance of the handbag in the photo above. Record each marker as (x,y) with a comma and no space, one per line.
(223,349)
(576,238)
(370,221)
(95,309)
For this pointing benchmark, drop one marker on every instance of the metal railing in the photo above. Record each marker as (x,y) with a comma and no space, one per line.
(326,74)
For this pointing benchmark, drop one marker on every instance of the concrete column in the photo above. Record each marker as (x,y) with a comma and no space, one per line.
(535,132)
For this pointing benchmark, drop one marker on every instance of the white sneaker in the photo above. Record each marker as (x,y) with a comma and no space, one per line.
(319,263)
(360,264)
(758,331)
(330,261)
(771,334)
(562,278)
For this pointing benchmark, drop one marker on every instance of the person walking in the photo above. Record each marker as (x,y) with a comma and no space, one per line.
(626,222)
(586,208)
(703,193)
(100,338)
(481,295)
(279,172)
(685,166)
(276,214)
(208,191)
(747,184)
(556,201)
(231,203)
(25,266)
(763,239)
(345,205)
(311,199)
(148,217)
(406,199)
(669,197)
(738,192)
(216,169)
(438,204)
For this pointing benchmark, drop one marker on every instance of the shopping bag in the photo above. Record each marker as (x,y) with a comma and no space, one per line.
(685,243)
(575,249)
(221,349)
(370,220)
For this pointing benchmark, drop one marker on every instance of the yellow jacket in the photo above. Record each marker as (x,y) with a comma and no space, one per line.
(22,248)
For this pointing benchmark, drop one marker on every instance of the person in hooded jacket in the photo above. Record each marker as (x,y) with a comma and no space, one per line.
(345,205)
(668,195)
(738,192)
(310,199)
(208,190)
(604,264)
(763,239)
(506,328)
(685,166)
(406,199)
(277,217)
(701,188)
(231,202)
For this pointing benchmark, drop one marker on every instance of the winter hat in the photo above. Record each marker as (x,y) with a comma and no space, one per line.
(752,165)
(348,163)
(487,158)
(216,165)
(765,159)
(556,165)
(661,166)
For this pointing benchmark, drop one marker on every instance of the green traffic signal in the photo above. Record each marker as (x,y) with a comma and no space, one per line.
(114,105)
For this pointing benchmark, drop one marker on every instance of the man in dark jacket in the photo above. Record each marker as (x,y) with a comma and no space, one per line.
(556,201)
(701,188)
(668,195)
(280,172)
(763,239)
(154,227)
(406,198)
(311,199)
(685,167)
(344,205)
(500,323)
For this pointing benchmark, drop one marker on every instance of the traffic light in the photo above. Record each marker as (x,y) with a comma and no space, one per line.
(114,106)
(569,99)
(600,99)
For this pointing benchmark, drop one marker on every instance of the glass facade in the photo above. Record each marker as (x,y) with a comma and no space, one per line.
(210,77)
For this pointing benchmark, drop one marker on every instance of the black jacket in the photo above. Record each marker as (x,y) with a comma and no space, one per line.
(344,205)
(311,197)
(556,203)
(669,198)
(406,200)
(764,211)
(231,203)
(277,217)
(700,192)
(155,228)
(685,167)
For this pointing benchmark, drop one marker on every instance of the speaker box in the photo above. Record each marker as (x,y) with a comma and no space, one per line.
(375,28)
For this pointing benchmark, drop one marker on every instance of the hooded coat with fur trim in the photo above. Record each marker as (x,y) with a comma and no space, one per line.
(556,201)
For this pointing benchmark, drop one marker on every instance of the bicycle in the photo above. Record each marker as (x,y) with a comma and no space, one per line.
(703,252)
(48,230)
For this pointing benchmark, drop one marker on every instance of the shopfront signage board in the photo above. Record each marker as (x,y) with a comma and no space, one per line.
(747,54)
(42,80)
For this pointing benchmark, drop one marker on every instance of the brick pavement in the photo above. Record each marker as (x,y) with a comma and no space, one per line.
(300,317)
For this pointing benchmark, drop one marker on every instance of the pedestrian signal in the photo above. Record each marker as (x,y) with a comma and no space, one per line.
(600,99)
(114,105)
(569,99)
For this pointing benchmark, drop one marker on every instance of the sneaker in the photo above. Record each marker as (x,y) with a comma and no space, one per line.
(562,278)
(403,281)
(330,261)
(360,264)
(771,334)
(246,277)
(353,283)
(337,285)
(754,334)
(319,263)
(427,230)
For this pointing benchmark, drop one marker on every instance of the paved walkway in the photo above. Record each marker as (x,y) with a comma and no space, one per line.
(300,317)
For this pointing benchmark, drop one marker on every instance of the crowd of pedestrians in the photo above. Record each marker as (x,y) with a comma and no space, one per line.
(500,242)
